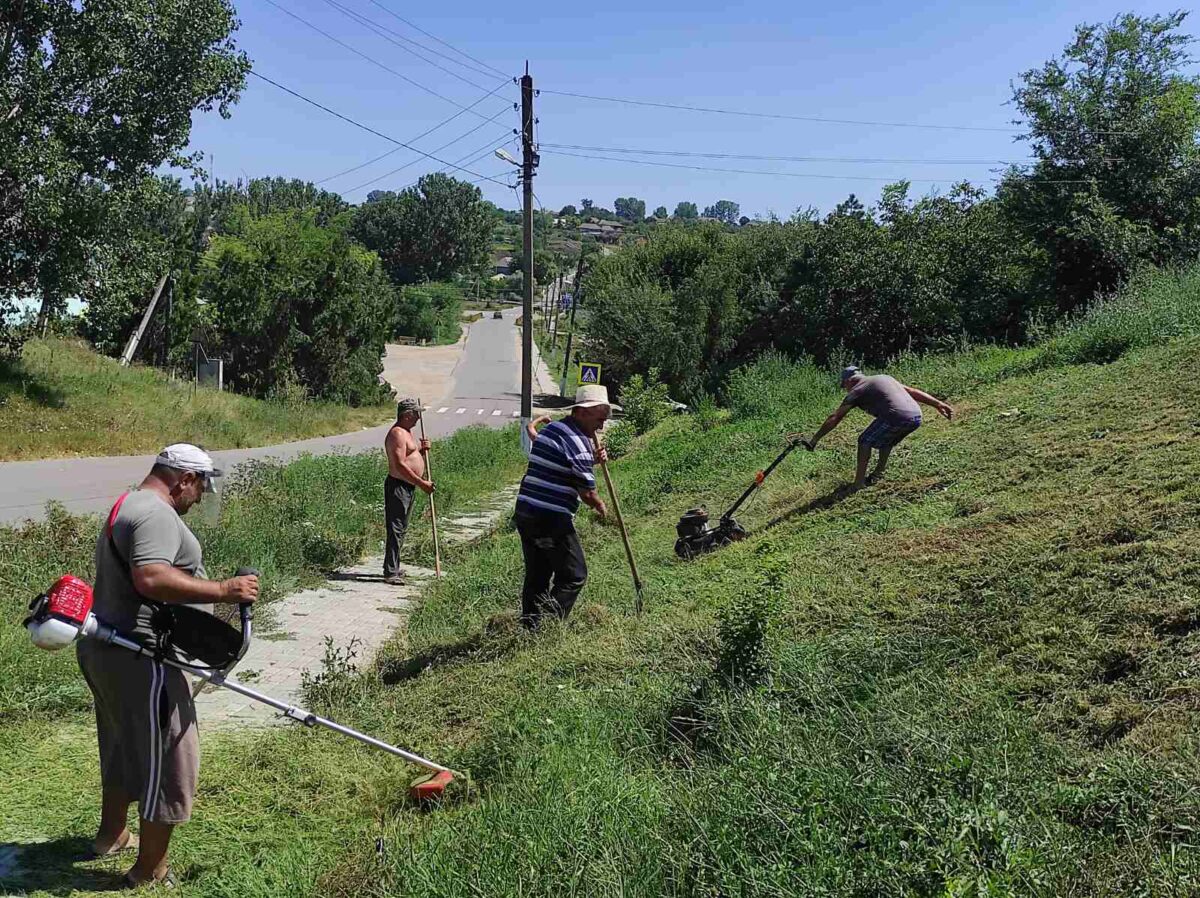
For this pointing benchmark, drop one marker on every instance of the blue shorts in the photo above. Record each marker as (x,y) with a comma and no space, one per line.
(882,434)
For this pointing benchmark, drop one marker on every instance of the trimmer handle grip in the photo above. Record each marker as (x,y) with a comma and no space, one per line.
(246,609)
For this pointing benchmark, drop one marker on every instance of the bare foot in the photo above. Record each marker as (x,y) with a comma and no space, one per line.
(135,879)
(127,841)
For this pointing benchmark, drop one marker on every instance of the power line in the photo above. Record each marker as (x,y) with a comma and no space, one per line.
(479,156)
(438,149)
(373,60)
(796,118)
(436,127)
(778,174)
(367,128)
(381,29)
(851,159)
(390,12)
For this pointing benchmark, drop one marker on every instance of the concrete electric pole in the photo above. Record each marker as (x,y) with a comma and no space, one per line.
(529,162)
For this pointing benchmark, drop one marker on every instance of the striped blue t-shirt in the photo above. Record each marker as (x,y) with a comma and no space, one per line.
(560,465)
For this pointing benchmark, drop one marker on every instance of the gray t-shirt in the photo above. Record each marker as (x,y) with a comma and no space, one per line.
(147,531)
(884,397)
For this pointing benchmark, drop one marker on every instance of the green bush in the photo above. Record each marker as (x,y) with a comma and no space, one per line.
(618,437)
(645,401)
(1155,306)
(773,383)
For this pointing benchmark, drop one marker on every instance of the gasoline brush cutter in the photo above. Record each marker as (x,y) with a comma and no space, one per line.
(697,535)
(212,648)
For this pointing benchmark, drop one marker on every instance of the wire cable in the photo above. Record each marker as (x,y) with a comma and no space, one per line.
(386,33)
(779,174)
(373,60)
(848,159)
(478,157)
(416,27)
(366,128)
(797,118)
(436,127)
(438,149)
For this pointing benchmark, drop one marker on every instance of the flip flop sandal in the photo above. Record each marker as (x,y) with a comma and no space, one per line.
(168,881)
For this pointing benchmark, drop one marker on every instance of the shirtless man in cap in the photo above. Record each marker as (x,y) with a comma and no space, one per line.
(406,474)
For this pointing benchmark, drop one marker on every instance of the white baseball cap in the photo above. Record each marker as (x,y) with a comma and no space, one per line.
(186,457)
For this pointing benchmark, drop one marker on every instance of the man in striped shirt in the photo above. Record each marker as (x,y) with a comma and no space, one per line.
(559,477)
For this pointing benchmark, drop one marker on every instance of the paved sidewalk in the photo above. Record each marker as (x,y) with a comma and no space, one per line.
(354,605)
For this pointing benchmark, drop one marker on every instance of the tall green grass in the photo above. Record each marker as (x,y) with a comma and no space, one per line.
(292,521)
(977,678)
(63,399)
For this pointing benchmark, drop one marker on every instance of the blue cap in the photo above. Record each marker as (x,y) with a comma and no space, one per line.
(849,371)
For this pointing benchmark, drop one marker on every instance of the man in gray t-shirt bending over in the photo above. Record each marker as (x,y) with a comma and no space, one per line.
(145,719)
(894,408)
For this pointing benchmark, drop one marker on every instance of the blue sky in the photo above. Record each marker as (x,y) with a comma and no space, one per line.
(944,63)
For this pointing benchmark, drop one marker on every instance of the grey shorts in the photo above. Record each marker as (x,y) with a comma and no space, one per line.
(146,726)
(882,434)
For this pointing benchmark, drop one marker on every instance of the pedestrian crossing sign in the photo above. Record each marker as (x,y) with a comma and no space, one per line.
(589,373)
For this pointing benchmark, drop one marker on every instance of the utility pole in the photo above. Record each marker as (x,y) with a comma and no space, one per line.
(529,161)
(575,297)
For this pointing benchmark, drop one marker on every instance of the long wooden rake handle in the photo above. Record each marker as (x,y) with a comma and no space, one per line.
(612,492)
(437,553)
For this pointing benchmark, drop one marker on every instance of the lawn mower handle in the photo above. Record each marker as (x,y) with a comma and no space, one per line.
(762,475)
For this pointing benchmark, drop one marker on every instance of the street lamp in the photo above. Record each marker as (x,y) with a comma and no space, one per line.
(507,157)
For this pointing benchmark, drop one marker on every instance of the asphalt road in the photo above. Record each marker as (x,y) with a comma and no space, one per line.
(485,390)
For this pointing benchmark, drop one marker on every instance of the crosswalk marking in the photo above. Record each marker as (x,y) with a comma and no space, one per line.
(479,411)
(495,412)
(443,409)
(459,411)
(517,413)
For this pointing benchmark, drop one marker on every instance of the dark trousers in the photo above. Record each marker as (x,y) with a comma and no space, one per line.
(555,570)
(397,503)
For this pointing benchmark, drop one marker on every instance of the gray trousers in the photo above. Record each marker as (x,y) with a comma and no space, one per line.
(397,503)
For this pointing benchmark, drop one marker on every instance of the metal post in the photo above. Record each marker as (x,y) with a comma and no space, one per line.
(562,385)
(528,164)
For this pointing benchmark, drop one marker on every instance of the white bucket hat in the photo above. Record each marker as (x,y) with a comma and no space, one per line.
(591,395)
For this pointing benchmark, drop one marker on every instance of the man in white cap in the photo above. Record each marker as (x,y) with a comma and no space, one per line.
(559,477)
(894,408)
(145,718)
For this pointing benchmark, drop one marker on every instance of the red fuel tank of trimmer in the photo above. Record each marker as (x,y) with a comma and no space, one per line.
(70,599)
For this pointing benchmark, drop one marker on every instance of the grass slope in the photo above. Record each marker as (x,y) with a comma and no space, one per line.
(977,678)
(63,399)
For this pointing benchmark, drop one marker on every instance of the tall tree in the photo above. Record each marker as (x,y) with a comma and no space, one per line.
(432,231)
(686,210)
(629,208)
(585,206)
(295,304)
(660,212)
(1113,127)
(93,97)
(567,210)
(723,210)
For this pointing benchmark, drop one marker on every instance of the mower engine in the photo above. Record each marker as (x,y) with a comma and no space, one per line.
(62,614)
(696,536)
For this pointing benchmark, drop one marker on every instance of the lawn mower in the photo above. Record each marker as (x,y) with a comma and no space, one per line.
(697,536)
(197,643)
